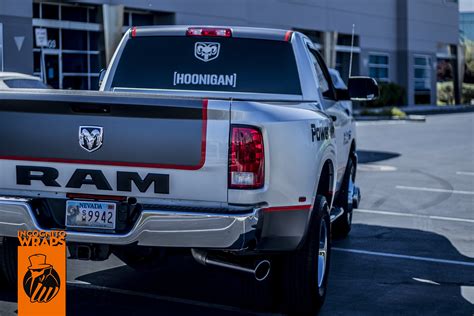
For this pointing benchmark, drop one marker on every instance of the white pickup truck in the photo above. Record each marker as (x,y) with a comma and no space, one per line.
(229,142)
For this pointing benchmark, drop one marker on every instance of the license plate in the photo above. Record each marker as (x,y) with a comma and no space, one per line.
(90,214)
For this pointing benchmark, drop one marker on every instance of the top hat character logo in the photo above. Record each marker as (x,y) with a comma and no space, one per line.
(41,282)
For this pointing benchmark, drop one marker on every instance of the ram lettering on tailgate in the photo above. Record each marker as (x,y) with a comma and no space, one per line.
(48,176)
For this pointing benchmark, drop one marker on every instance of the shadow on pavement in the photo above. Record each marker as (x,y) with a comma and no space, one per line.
(367,284)
(183,278)
(366,156)
(8,299)
(361,283)
(6,295)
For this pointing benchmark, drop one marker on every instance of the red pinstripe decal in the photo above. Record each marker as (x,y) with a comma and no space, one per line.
(288,208)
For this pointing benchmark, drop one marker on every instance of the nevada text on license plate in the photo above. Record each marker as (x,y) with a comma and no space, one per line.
(90,214)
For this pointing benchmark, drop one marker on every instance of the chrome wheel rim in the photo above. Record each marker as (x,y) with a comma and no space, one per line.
(350,189)
(349,217)
(322,253)
(350,195)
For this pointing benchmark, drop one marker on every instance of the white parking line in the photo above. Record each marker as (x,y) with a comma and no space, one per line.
(374,167)
(426,281)
(402,187)
(78,282)
(381,122)
(465,173)
(441,218)
(164,298)
(394,255)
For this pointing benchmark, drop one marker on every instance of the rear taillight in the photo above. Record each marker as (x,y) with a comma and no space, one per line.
(212,32)
(246,158)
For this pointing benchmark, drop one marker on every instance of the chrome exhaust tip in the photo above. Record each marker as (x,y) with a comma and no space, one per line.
(261,271)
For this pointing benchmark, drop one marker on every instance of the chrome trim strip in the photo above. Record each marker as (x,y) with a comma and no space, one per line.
(237,31)
(153,228)
(213,94)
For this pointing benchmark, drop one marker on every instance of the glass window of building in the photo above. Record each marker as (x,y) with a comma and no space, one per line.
(75,51)
(74,13)
(49,11)
(36,11)
(466,21)
(422,74)
(1,47)
(137,18)
(379,67)
(343,55)
(132,17)
(346,40)
(343,60)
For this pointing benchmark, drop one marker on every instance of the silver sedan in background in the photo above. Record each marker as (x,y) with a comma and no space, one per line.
(15,80)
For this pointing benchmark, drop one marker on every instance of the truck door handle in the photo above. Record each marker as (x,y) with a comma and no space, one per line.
(90,108)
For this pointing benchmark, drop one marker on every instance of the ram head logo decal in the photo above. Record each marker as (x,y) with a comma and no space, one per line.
(206,51)
(91,137)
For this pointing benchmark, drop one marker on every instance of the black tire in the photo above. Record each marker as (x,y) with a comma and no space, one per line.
(304,289)
(9,261)
(342,226)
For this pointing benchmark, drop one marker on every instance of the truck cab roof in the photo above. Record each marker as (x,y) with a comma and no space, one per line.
(232,31)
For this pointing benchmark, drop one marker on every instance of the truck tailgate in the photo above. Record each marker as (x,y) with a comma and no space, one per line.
(103,143)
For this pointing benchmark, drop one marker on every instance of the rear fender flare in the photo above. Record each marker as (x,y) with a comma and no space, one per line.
(329,155)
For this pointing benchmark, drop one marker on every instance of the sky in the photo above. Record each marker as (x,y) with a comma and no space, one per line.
(466,5)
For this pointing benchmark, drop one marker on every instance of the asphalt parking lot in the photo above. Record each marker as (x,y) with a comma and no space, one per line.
(411,250)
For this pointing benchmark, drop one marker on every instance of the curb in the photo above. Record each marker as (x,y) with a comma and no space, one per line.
(414,113)
(440,110)
(422,109)
(410,118)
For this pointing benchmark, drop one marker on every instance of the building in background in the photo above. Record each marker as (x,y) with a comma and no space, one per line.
(466,19)
(466,24)
(400,41)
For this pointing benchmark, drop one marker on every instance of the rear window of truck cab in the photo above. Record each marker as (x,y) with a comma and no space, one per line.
(208,64)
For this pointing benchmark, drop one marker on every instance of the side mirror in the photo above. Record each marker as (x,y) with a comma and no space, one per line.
(101,76)
(342,94)
(363,89)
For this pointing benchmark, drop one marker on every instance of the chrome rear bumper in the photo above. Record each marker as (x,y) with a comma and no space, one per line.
(153,228)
